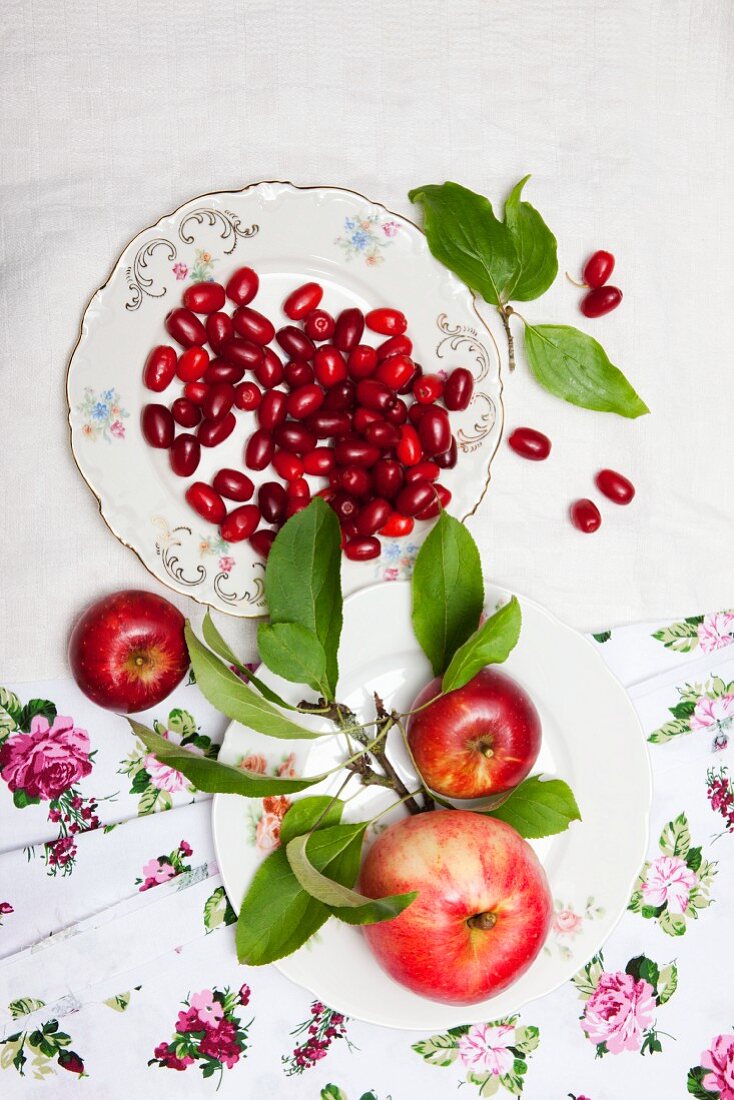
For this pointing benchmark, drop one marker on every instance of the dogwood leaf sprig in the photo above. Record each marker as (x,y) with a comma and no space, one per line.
(312,875)
(516,260)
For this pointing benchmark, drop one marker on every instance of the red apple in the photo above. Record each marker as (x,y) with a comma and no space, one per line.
(479,740)
(127,651)
(483,908)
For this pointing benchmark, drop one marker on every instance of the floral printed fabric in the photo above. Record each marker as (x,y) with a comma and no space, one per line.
(649,1014)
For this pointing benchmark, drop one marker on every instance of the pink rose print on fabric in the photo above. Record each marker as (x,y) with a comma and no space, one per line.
(208,1031)
(320,1029)
(5,910)
(163,777)
(618,1012)
(485,1048)
(717,712)
(719,1060)
(567,923)
(165,867)
(720,793)
(47,761)
(716,631)
(669,881)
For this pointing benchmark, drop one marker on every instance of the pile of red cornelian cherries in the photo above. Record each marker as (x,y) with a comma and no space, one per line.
(365,418)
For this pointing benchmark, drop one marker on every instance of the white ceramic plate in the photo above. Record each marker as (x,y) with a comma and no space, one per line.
(363,255)
(591,738)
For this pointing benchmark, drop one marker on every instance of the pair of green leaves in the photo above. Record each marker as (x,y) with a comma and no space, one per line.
(516,260)
(306,881)
(448,599)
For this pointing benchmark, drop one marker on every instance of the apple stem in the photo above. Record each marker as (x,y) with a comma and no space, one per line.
(482,921)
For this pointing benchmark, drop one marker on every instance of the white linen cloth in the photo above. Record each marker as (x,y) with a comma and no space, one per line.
(111,961)
(115,114)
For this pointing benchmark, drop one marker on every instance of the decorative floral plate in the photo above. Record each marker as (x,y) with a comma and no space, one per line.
(363,255)
(591,738)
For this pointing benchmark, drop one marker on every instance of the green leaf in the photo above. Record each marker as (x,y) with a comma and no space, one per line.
(348,905)
(677,728)
(526,1039)
(693,859)
(277,914)
(23,1006)
(574,366)
(304,812)
(675,839)
(303,579)
(212,775)
(153,801)
(685,709)
(119,1002)
(333,1092)
(602,637)
(642,968)
(10,711)
(535,245)
(680,637)
(216,642)
(36,708)
(491,644)
(667,983)
(464,234)
(21,799)
(439,1050)
(293,652)
(448,591)
(539,807)
(587,979)
(694,1083)
(228,694)
(672,923)
(181,722)
(217,910)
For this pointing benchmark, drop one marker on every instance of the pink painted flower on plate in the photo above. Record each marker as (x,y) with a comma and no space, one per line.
(277,804)
(485,1048)
(567,923)
(711,713)
(118,428)
(226,563)
(287,770)
(267,833)
(669,881)
(47,761)
(180,271)
(255,763)
(390,228)
(716,631)
(719,1059)
(618,1011)
(210,1011)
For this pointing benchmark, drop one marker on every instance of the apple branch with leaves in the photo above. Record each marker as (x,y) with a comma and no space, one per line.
(311,876)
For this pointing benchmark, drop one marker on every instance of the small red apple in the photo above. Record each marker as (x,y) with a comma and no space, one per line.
(127,651)
(483,909)
(479,740)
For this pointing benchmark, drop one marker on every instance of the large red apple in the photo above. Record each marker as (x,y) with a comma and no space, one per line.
(127,652)
(483,908)
(479,740)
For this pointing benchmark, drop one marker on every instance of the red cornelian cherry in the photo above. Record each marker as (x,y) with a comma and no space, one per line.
(341,397)
(219,370)
(396,371)
(252,325)
(272,500)
(426,470)
(211,433)
(319,325)
(362,361)
(269,371)
(598,268)
(204,297)
(160,367)
(530,444)
(206,501)
(273,409)
(196,392)
(396,345)
(304,401)
(349,329)
(288,466)
(158,426)
(242,286)
(295,343)
(388,322)
(219,400)
(186,412)
(185,327)
(262,540)
(192,364)
(297,373)
(219,328)
(240,523)
(415,498)
(247,396)
(259,450)
(362,549)
(320,462)
(585,516)
(458,389)
(373,516)
(302,301)
(329,366)
(299,489)
(442,500)
(184,454)
(428,388)
(243,353)
(615,486)
(434,431)
(600,300)
(326,425)
(398,526)
(409,449)
(233,484)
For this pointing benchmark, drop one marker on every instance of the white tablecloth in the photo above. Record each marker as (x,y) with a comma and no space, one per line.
(114,114)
